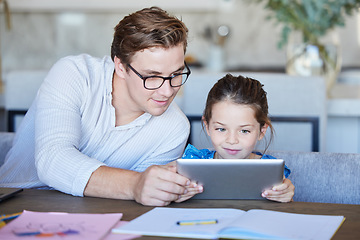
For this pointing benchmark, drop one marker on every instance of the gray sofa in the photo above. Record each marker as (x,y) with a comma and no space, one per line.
(323,177)
(318,177)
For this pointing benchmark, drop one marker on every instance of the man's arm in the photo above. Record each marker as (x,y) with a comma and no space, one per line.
(61,164)
(156,186)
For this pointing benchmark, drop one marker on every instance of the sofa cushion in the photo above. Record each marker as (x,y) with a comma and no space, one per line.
(323,177)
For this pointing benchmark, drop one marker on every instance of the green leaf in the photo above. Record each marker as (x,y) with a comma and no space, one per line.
(313,18)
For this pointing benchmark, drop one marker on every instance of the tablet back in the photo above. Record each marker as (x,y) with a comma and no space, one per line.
(232,178)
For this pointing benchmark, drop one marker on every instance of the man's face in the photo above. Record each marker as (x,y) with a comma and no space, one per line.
(149,62)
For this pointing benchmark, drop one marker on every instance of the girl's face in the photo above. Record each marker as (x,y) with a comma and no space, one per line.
(233,130)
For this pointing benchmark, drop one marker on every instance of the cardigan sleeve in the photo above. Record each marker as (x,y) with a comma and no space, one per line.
(58,160)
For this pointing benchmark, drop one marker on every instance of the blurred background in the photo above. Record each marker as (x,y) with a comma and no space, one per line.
(44,31)
(224,36)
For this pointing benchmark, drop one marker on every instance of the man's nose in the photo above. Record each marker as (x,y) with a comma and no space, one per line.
(166,89)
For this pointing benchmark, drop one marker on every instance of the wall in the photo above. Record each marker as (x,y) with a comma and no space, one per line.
(40,37)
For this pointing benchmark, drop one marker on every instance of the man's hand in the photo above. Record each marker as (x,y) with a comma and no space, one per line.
(156,186)
(192,190)
(160,185)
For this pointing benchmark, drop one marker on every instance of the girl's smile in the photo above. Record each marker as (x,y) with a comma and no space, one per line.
(231,151)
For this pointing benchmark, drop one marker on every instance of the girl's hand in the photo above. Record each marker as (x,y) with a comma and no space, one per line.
(280,193)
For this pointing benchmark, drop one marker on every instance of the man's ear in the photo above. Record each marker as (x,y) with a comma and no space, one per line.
(120,69)
(263,131)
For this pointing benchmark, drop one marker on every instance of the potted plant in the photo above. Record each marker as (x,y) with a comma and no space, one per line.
(313,20)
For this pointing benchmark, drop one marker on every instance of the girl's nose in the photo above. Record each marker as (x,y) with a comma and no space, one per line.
(232,138)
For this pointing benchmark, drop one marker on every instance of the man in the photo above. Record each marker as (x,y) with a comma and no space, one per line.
(108,127)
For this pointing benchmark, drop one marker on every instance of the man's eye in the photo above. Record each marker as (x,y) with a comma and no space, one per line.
(177,75)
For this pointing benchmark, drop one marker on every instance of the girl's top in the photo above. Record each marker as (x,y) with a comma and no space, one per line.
(192,152)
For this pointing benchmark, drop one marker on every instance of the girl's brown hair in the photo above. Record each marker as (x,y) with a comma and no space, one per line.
(240,90)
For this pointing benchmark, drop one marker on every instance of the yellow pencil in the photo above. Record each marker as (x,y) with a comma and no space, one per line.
(197,222)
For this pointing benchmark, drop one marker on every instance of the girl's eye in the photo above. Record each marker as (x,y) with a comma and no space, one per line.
(220,129)
(245,131)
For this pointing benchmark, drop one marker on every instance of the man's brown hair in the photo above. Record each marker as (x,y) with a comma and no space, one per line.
(149,27)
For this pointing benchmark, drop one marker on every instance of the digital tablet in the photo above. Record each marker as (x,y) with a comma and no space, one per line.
(232,178)
(6,193)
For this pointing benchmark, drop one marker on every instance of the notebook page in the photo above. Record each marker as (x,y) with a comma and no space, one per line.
(162,221)
(289,225)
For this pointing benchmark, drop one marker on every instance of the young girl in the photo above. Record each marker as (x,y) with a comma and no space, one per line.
(236,118)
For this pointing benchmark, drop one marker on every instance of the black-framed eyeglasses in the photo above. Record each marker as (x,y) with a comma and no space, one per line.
(155,82)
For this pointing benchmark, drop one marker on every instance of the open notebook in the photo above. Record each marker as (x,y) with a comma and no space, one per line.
(232,223)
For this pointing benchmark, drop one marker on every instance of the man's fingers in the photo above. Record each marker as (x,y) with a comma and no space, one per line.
(158,186)
(169,176)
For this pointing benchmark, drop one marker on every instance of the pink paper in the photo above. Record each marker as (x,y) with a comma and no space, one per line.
(54,225)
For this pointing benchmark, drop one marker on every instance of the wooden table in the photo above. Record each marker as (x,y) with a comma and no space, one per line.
(54,201)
